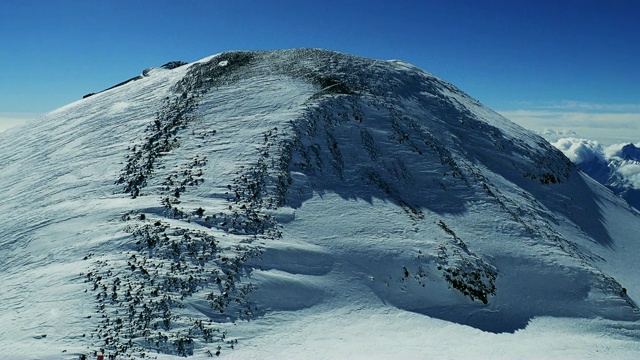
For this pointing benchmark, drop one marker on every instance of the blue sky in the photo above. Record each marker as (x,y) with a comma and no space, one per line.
(562,64)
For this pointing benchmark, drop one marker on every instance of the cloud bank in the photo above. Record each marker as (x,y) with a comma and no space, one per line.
(620,161)
(605,123)
(581,150)
(631,173)
(8,120)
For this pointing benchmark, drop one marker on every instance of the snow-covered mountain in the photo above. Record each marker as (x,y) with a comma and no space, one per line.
(615,166)
(305,204)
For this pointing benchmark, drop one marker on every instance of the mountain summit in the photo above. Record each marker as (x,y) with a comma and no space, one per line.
(304,203)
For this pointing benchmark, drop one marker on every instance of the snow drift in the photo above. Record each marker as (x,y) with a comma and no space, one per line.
(294,203)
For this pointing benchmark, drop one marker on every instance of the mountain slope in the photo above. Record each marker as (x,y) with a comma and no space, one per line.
(225,206)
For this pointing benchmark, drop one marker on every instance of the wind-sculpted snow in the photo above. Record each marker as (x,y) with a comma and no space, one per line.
(237,205)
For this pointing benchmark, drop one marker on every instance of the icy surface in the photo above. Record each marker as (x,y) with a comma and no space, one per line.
(305,204)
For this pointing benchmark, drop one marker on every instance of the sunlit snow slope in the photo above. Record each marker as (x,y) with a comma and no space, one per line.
(305,204)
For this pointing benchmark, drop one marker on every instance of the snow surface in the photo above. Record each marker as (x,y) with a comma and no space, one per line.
(306,204)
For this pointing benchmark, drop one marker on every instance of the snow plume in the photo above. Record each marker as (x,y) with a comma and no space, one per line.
(580,150)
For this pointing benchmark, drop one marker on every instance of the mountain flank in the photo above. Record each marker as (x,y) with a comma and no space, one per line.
(214,208)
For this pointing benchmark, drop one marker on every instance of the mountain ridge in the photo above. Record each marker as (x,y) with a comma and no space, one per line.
(246,187)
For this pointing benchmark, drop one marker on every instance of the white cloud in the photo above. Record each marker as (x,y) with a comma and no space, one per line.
(606,123)
(579,106)
(613,150)
(631,174)
(583,151)
(8,120)
(580,150)
(575,119)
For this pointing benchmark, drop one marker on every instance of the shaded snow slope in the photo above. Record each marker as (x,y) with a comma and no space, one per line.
(291,201)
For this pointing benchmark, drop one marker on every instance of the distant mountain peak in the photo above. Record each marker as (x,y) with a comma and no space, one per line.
(630,152)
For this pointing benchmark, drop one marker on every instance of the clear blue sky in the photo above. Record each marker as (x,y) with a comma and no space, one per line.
(518,56)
